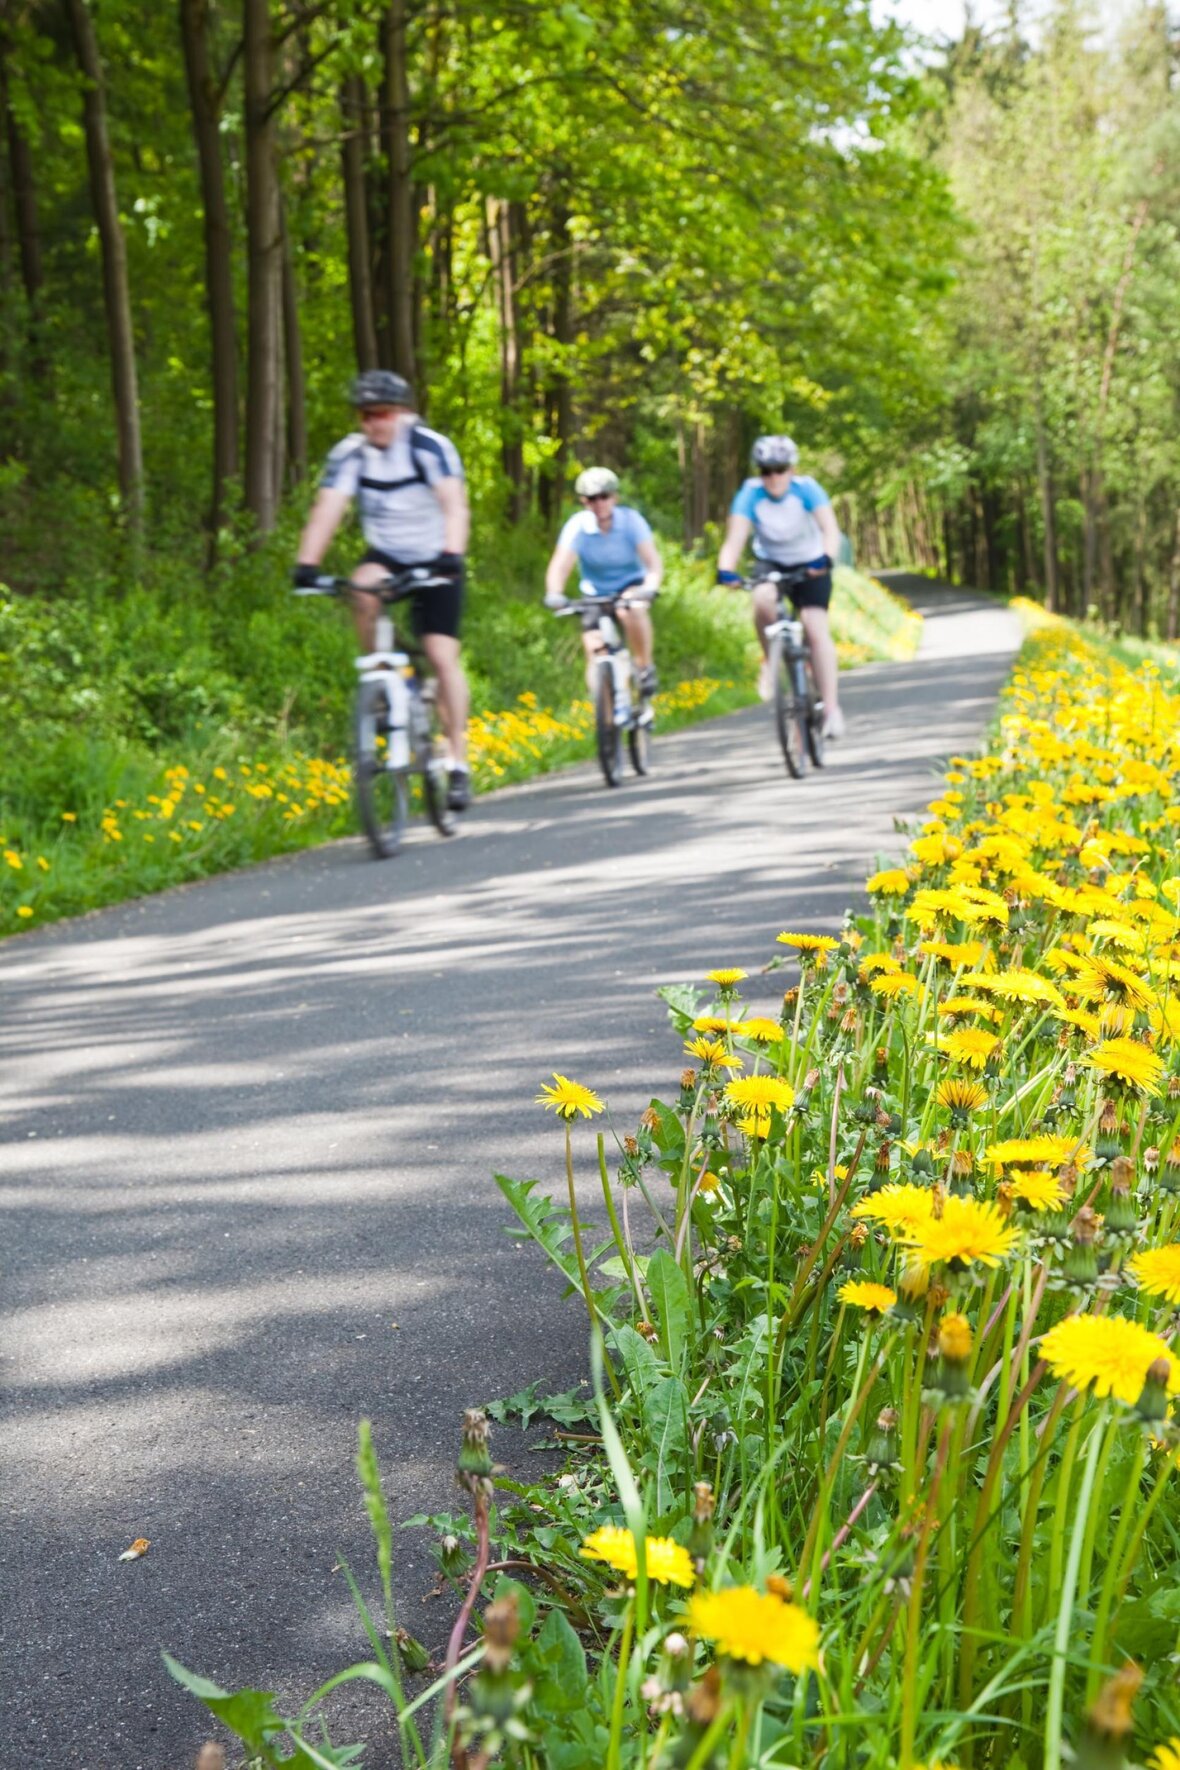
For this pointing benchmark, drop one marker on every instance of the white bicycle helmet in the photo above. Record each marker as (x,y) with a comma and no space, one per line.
(594,481)
(774,452)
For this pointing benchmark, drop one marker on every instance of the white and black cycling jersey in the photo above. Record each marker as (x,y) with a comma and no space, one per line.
(394,488)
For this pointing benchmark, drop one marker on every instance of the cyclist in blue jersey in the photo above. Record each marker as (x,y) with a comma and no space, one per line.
(612,546)
(408,484)
(792,523)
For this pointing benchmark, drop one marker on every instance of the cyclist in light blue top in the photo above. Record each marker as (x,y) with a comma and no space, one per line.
(612,546)
(792,523)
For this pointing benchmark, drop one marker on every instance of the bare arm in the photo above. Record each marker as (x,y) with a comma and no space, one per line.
(558,570)
(649,555)
(737,533)
(327,513)
(829,528)
(452,495)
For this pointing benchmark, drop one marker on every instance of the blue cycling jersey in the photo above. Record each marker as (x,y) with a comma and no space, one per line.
(785,531)
(611,560)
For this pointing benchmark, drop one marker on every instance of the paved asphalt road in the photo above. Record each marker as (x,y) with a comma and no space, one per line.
(248,1125)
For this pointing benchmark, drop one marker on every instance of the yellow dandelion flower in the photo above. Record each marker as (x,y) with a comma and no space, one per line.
(712,1053)
(1132,1062)
(24,911)
(1015,986)
(968,1232)
(754,1626)
(808,943)
(1086,1024)
(1109,1353)
(862,1293)
(69,817)
(953,953)
(715,1023)
(568,1099)
(759,1094)
(970,1045)
(961,1096)
(666,1562)
(708,1182)
(1158,1271)
(872,963)
(761,1029)
(1166,1756)
(1119,980)
(892,984)
(893,882)
(959,1005)
(1045,1150)
(902,1209)
(1039,1188)
(14,860)
(727,978)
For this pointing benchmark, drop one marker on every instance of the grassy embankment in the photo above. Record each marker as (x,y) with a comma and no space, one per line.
(169,734)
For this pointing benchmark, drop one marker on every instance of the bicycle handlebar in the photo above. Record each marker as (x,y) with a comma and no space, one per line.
(596,604)
(778,574)
(394,588)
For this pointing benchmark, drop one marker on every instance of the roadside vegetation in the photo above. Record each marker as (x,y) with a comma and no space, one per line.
(880,1462)
(156,741)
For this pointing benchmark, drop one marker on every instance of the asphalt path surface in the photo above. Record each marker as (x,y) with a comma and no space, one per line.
(250,1125)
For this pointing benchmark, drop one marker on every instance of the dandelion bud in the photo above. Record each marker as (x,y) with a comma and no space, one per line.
(475,1462)
(882,1159)
(858,1236)
(501,1625)
(938,1294)
(688,1080)
(884,1452)
(951,1379)
(881,1118)
(648,1329)
(1173,1087)
(704,1502)
(922,1164)
(790,997)
(1085,1227)
(780,1587)
(1151,1159)
(849,1021)
(703,1701)
(1152,1405)
(882,1057)
(649,1119)
(1107,1729)
(1108,1121)
(630,1145)
(411,1653)
(913,1281)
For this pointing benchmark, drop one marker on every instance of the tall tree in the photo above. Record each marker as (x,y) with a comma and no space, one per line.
(360,258)
(401,241)
(205,105)
(116,286)
(264,258)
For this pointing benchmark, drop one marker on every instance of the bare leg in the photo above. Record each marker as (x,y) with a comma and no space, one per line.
(823,656)
(365,609)
(637,627)
(765,605)
(443,652)
(593,647)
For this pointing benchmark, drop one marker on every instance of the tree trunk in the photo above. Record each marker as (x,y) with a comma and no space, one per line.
(500,254)
(356,211)
(116,288)
(28,229)
(401,242)
(699,463)
(1173,621)
(1048,514)
(293,365)
(219,288)
(264,249)
(559,403)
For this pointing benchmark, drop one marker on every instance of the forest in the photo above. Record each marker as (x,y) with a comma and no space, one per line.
(634,235)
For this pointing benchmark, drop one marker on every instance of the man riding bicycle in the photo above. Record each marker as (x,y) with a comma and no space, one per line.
(792,522)
(612,546)
(408,483)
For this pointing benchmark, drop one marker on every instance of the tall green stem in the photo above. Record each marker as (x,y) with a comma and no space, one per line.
(1082,1526)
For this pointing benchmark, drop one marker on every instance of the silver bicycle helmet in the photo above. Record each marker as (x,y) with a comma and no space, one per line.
(775,452)
(381,387)
(594,481)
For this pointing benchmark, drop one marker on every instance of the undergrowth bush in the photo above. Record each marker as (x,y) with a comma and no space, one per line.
(879,1468)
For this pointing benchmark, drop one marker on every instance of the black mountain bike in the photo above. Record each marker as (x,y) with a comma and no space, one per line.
(396,724)
(798,709)
(621,706)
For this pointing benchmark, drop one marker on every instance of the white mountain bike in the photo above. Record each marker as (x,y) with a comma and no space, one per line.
(621,705)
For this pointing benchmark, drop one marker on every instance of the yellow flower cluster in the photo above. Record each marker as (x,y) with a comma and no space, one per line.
(527,733)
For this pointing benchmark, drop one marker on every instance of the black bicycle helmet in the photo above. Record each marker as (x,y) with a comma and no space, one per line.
(774,452)
(381,387)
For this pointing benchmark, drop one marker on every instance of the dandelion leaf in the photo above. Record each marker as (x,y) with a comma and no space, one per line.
(668,1290)
(683,1003)
(665,1418)
(561,1682)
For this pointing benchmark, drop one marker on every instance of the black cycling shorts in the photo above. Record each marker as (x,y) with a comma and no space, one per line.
(812,592)
(436,610)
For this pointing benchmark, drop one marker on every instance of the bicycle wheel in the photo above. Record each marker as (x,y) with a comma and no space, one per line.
(431,762)
(610,738)
(639,736)
(788,713)
(815,715)
(382,794)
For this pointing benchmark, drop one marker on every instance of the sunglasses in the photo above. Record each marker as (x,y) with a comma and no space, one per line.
(599,497)
(772,472)
(369,412)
